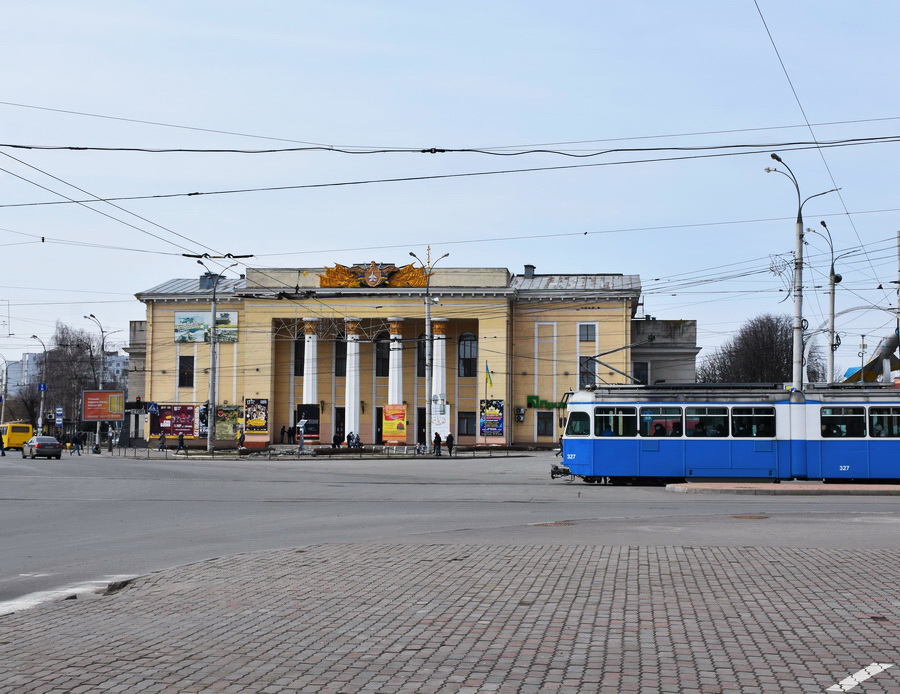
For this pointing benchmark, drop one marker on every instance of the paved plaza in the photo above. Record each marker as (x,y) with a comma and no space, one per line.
(465,618)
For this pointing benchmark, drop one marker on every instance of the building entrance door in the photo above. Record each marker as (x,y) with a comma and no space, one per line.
(420,425)
(379,420)
(339,423)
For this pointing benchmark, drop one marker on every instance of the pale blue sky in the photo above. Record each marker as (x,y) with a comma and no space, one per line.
(455,75)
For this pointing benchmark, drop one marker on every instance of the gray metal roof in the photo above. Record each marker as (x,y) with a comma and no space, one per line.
(597,283)
(181,287)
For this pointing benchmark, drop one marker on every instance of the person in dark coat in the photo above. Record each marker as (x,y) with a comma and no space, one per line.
(336,440)
(449,442)
(283,432)
(437,443)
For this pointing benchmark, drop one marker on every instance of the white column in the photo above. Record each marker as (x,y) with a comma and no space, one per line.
(439,420)
(351,387)
(395,373)
(310,362)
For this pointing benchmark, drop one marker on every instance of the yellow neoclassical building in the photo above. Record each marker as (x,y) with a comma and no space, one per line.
(346,349)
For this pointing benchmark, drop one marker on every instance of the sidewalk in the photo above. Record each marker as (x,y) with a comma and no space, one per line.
(786,488)
(462,619)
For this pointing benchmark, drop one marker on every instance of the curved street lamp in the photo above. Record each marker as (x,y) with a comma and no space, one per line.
(833,279)
(43,386)
(797,351)
(429,363)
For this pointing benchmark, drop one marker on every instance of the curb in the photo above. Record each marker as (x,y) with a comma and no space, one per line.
(787,489)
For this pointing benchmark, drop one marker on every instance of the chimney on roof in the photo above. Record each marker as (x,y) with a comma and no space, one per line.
(529,271)
(208,280)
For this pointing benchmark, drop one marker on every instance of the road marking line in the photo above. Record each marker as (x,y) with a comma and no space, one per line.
(848,683)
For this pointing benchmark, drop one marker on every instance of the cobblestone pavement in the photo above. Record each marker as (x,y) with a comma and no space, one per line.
(466,619)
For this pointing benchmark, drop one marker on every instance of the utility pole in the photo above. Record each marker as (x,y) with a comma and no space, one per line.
(213,341)
(429,343)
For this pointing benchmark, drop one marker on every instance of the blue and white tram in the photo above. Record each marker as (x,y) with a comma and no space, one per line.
(732,432)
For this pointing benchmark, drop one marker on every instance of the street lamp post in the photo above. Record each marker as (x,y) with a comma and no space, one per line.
(797,350)
(213,362)
(833,279)
(429,364)
(43,386)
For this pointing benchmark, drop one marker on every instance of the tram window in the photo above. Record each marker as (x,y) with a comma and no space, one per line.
(706,421)
(842,422)
(661,421)
(747,422)
(615,421)
(579,424)
(884,421)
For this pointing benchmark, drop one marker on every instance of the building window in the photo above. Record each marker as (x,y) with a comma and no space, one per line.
(641,371)
(468,355)
(340,356)
(382,355)
(587,372)
(545,424)
(185,372)
(421,356)
(587,332)
(465,424)
(299,355)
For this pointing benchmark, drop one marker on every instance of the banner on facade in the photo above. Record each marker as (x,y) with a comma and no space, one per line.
(175,420)
(256,415)
(310,413)
(491,418)
(193,326)
(228,422)
(102,405)
(393,425)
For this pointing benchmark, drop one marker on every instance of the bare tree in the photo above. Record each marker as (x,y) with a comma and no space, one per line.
(760,352)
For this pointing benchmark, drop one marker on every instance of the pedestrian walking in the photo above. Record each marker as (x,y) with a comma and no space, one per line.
(449,442)
(437,443)
(162,442)
(290,434)
(181,446)
(559,450)
(350,440)
(77,440)
(241,438)
(283,432)
(336,440)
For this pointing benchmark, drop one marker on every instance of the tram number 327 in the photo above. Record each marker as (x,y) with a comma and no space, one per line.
(571,456)
(843,468)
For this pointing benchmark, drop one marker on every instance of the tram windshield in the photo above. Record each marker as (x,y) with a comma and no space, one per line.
(579,424)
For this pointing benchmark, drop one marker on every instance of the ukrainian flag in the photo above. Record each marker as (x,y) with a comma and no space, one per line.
(487,376)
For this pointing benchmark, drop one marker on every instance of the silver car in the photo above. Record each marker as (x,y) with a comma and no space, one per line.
(42,447)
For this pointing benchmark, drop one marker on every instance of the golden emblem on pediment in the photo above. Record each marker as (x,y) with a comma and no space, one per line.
(373,275)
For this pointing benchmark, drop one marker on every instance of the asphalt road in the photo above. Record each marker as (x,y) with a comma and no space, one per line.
(70,526)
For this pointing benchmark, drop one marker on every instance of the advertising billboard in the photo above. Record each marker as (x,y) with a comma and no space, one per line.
(256,415)
(102,405)
(193,326)
(492,418)
(393,426)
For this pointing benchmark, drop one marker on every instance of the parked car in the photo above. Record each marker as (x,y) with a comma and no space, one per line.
(43,447)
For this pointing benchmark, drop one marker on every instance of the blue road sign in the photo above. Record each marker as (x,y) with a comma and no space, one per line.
(152,408)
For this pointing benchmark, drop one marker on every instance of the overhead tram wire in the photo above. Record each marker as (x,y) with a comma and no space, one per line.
(809,127)
(780,146)
(432,177)
(98,199)
(545,144)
